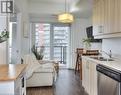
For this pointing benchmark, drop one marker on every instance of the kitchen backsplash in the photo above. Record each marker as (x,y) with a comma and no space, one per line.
(113,44)
(97,46)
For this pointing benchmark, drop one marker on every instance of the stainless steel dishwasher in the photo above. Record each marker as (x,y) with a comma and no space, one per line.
(109,81)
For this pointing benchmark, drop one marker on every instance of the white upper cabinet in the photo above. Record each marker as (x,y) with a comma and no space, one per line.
(107,18)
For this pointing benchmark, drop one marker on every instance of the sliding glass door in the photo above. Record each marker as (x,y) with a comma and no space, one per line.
(54,38)
(60,40)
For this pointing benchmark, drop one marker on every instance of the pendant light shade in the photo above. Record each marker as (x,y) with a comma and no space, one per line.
(65,17)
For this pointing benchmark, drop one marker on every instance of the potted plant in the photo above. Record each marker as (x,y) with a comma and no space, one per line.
(4,35)
(39,54)
(87,43)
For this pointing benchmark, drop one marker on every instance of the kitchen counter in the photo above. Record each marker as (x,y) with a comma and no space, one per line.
(116,64)
(10,72)
(13,79)
(89,72)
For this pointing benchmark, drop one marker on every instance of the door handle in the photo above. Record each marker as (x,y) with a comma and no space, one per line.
(101,29)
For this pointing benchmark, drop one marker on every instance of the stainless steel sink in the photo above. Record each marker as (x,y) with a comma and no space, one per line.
(102,58)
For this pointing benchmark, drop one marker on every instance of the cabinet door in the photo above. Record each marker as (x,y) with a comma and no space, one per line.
(89,79)
(119,15)
(95,19)
(83,72)
(98,18)
(107,18)
(112,16)
(117,8)
(85,75)
(101,17)
(93,78)
(18,86)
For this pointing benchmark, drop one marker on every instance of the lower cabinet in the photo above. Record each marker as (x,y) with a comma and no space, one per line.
(89,76)
(93,78)
(15,87)
(20,86)
(85,75)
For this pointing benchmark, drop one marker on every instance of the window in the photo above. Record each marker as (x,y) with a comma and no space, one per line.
(54,38)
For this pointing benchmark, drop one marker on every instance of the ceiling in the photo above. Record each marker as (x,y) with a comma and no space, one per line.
(80,8)
(48,1)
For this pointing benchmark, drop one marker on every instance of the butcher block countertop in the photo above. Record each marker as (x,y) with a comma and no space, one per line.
(10,72)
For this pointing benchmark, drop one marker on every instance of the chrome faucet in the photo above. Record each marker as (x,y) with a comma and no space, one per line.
(109,54)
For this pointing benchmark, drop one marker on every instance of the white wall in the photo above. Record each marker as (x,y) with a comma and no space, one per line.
(3,57)
(96,46)
(78,32)
(23,26)
(2,23)
(42,18)
(45,8)
(113,44)
(3,46)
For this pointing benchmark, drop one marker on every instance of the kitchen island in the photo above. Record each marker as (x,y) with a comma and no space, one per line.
(12,79)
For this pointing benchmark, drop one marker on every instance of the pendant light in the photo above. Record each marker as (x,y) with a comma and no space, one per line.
(65,17)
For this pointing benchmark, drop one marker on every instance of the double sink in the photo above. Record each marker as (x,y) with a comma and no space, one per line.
(101,58)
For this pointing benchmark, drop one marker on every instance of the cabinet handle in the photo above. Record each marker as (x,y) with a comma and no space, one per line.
(101,29)
(22,82)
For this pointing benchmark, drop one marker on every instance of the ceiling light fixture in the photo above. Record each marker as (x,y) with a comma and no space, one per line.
(65,17)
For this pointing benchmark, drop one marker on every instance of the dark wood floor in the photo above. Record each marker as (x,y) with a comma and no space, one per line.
(67,84)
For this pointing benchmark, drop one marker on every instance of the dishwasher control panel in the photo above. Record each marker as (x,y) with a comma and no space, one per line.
(114,74)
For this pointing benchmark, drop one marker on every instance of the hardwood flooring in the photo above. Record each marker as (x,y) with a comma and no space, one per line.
(67,84)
